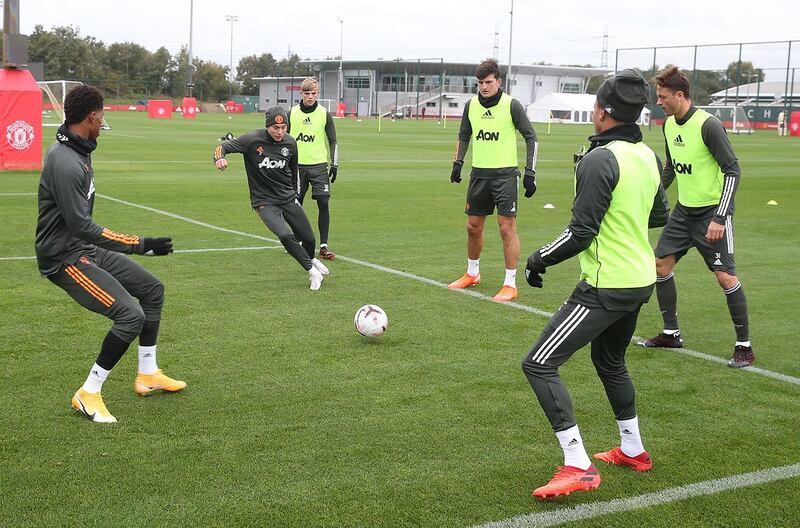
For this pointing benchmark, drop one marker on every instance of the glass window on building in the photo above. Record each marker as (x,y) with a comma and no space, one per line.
(569,87)
(452,105)
(393,83)
(431,104)
(283,100)
(357,82)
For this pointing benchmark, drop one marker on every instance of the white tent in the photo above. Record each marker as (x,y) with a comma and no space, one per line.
(568,108)
(562,108)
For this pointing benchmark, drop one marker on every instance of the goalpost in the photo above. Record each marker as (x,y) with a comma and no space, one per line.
(329,104)
(733,118)
(53,102)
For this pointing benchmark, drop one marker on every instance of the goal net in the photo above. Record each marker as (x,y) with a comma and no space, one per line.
(329,104)
(733,118)
(53,93)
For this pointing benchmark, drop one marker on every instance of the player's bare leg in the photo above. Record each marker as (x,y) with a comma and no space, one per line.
(508,233)
(475,225)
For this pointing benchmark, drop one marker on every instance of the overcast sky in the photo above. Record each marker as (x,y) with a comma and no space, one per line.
(555,31)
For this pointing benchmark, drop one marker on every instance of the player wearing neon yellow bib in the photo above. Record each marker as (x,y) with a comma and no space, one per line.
(618,196)
(700,158)
(312,126)
(490,121)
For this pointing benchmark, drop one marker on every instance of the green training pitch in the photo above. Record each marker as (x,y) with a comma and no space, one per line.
(293,419)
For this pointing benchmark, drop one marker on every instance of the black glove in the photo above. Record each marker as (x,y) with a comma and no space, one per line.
(155,246)
(332,173)
(455,174)
(534,271)
(529,182)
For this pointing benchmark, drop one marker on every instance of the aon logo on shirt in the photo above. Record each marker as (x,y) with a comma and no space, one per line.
(271,164)
(682,168)
(305,137)
(488,136)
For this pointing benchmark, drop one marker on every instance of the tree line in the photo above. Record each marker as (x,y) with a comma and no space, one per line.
(703,82)
(129,70)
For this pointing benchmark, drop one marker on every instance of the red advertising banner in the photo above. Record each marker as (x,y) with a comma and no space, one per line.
(159,109)
(794,124)
(189,107)
(20,121)
(233,107)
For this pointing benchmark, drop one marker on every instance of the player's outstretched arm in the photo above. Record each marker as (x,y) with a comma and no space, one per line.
(154,246)
(74,206)
(231,146)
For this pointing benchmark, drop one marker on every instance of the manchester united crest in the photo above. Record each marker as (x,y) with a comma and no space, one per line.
(19,135)
(284,151)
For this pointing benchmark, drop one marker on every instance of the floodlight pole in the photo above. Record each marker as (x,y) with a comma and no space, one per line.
(231,19)
(738,71)
(786,86)
(189,84)
(510,35)
(341,47)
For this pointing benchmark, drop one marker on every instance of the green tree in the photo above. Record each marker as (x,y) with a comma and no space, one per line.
(64,53)
(747,73)
(263,65)
(289,66)
(176,73)
(155,70)
(211,82)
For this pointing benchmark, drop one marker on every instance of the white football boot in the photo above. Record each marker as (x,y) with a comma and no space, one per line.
(316,278)
(322,268)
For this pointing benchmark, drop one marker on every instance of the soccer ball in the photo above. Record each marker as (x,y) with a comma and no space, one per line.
(371,320)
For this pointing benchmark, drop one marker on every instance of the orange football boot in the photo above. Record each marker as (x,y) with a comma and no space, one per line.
(464,281)
(506,293)
(147,383)
(568,479)
(641,462)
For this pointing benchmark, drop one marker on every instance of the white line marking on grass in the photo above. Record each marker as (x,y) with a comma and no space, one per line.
(438,284)
(709,357)
(597,509)
(190,220)
(18,194)
(204,250)
(432,282)
(213,250)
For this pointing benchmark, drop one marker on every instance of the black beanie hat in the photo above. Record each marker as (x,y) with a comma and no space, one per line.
(624,95)
(275,116)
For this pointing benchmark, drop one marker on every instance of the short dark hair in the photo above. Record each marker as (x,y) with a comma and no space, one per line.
(80,102)
(674,80)
(487,68)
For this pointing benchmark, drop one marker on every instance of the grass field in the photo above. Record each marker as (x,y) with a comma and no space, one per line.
(293,419)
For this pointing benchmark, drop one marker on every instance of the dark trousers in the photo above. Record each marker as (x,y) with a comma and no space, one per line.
(290,224)
(576,324)
(115,286)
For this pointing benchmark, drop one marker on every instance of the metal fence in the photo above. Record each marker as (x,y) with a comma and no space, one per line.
(741,73)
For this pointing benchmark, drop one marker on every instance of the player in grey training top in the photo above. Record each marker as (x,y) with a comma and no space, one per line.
(270,161)
(83,258)
(491,121)
(701,159)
